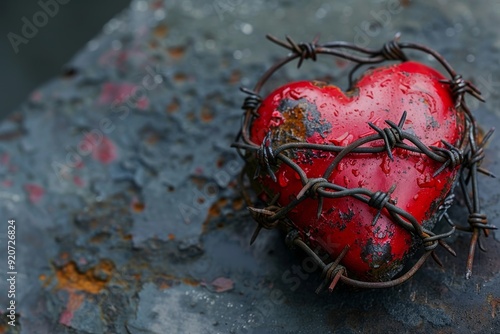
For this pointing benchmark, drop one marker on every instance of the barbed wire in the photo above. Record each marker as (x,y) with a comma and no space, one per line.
(467,157)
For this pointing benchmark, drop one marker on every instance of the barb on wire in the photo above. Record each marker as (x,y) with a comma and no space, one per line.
(302,50)
(379,200)
(465,158)
(252,101)
(459,86)
(266,157)
(392,135)
(392,51)
(454,155)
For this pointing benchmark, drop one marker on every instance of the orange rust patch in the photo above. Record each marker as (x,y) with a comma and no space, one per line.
(293,128)
(199,182)
(45,280)
(177,52)
(165,285)
(213,212)
(238,204)
(138,206)
(235,77)
(190,281)
(171,236)
(160,31)
(100,237)
(206,114)
(165,281)
(495,303)
(173,106)
(69,278)
(180,77)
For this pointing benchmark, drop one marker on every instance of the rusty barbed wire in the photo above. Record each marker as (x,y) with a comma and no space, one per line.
(467,156)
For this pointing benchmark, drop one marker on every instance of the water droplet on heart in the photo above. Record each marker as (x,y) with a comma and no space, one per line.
(385,165)
(369,94)
(323,105)
(426,181)
(361,183)
(372,113)
(404,88)
(415,197)
(341,166)
(283,180)
(284,93)
(385,83)
(420,165)
(346,181)
(295,94)
(355,172)
(339,140)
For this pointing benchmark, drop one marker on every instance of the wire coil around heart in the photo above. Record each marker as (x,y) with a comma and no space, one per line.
(468,157)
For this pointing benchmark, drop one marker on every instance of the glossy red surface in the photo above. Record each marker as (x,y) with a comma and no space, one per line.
(319,113)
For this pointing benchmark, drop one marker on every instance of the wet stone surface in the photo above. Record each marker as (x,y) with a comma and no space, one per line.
(121,178)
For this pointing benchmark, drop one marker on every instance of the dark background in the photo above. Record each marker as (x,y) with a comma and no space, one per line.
(45,54)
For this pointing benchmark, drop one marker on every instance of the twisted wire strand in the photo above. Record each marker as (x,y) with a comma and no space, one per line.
(467,157)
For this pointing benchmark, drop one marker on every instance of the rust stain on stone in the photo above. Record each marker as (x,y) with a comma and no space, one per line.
(91,281)
(173,106)
(160,31)
(238,204)
(177,52)
(206,114)
(235,77)
(166,281)
(213,212)
(495,303)
(100,237)
(180,77)
(138,206)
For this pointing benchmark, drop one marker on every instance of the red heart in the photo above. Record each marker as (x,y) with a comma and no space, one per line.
(314,112)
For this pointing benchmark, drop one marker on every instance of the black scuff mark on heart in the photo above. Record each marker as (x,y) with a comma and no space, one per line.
(380,259)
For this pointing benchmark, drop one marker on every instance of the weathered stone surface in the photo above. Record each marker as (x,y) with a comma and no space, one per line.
(122,181)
